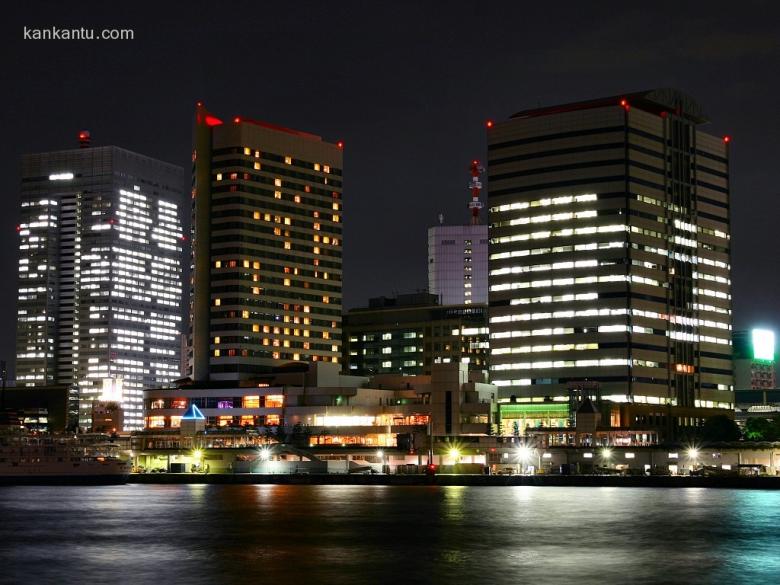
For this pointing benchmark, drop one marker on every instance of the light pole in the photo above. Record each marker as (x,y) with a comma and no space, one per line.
(693,457)
(606,456)
(523,455)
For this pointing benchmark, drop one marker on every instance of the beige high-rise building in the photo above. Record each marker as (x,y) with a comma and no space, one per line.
(609,258)
(267,243)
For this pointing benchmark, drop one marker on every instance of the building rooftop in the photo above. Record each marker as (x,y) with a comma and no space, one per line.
(656,101)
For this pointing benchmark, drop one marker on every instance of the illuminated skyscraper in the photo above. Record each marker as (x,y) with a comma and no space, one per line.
(267,241)
(100,268)
(610,258)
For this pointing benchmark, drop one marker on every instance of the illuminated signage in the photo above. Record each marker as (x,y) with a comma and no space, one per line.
(61,177)
(763,344)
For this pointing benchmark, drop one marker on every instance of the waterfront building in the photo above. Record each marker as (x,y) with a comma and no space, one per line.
(458,263)
(408,334)
(754,360)
(333,409)
(267,244)
(609,258)
(99,275)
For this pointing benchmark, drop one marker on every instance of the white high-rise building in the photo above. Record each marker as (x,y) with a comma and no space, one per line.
(458,263)
(100,269)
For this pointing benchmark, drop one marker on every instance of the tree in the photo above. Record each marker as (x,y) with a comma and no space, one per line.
(762,429)
(720,428)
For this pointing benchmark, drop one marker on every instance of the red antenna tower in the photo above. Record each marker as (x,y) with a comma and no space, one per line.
(475,186)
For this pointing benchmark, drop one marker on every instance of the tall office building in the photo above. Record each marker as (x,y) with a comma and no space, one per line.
(458,263)
(267,242)
(99,275)
(610,257)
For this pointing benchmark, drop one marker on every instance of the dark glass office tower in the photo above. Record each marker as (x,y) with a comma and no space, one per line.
(609,257)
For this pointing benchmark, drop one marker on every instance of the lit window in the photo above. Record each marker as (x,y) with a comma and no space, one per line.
(288,160)
(297,198)
(247,150)
(316,166)
(219,176)
(257,166)
(326,168)
(218,264)
(216,340)
(335,217)
(277,194)
(278,182)
(217,302)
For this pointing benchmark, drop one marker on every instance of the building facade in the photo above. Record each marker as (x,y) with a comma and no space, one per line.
(334,409)
(267,242)
(410,333)
(100,268)
(458,263)
(610,256)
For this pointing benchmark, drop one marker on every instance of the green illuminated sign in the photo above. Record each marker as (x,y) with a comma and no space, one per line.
(763,344)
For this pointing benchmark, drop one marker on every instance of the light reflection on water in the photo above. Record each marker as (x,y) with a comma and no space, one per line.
(378,534)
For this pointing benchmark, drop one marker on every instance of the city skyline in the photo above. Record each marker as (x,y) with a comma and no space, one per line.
(400,99)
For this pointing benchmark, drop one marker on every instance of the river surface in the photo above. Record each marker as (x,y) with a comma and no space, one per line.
(274,534)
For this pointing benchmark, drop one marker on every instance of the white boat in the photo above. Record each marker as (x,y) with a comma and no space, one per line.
(59,459)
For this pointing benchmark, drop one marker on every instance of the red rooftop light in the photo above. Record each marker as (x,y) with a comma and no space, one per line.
(237,120)
(212,120)
(624,104)
(340,144)
(727,139)
(489,123)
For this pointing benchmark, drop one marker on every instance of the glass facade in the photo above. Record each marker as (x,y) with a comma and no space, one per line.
(100,268)
(610,253)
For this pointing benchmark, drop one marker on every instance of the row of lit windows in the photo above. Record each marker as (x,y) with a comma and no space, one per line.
(561,200)
(571,281)
(548,331)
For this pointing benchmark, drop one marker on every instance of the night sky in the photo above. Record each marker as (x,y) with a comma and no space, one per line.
(407,86)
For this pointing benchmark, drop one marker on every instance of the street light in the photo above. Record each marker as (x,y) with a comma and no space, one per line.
(524,454)
(265,454)
(606,455)
(693,456)
(454,454)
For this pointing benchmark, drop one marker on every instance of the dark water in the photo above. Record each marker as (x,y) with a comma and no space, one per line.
(356,534)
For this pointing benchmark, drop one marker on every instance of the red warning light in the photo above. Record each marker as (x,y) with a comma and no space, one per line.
(237,120)
(727,139)
(489,123)
(212,120)
(624,104)
(340,144)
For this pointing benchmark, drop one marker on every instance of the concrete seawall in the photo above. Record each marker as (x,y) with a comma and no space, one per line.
(766,483)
